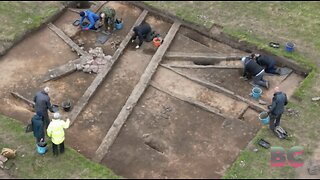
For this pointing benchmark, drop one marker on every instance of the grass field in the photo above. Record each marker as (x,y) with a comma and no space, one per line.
(28,164)
(19,16)
(260,23)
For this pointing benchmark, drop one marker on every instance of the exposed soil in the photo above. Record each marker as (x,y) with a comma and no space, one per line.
(224,104)
(164,137)
(99,115)
(187,138)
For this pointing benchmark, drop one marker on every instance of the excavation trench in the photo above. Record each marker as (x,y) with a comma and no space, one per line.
(178,128)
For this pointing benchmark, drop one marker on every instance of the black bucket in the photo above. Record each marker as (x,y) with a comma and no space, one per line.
(66,105)
(55,108)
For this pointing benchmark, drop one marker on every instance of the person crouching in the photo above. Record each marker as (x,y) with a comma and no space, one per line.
(267,62)
(251,68)
(141,32)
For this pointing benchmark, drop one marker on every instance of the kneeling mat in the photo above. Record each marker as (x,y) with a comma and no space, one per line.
(102,38)
(285,71)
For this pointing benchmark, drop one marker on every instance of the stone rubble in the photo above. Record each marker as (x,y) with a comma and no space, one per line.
(292,112)
(95,64)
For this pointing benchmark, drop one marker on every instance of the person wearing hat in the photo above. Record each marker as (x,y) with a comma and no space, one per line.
(37,126)
(141,32)
(43,104)
(107,18)
(255,70)
(56,132)
(91,17)
(267,62)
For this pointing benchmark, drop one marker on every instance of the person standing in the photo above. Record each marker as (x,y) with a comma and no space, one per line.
(43,104)
(37,126)
(253,69)
(276,110)
(56,132)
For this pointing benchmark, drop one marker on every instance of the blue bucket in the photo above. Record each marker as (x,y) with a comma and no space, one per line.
(256,92)
(264,118)
(41,150)
(289,47)
(119,26)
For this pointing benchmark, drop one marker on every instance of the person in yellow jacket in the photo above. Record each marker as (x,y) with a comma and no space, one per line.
(56,132)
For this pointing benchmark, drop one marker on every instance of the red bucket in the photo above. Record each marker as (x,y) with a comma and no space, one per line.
(157,41)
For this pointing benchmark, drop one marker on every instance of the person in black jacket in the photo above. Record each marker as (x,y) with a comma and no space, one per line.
(43,104)
(251,68)
(279,100)
(141,32)
(37,126)
(267,62)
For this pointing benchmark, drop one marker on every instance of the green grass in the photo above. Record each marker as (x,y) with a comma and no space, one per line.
(296,21)
(29,164)
(20,16)
(259,23)
(304,129)
(243,35)
(187,11)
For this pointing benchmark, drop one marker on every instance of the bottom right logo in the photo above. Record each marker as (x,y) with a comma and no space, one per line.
(279,157)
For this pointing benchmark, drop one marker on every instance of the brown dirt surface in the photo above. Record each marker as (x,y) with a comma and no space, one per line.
(194,142)
(164,137)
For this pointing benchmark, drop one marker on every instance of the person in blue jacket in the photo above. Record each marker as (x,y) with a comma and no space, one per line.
(92,18)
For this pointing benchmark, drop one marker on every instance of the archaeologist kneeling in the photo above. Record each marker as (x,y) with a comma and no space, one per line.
(107,19)
(251,68)
(56,132)
(91,17)
(267,62)
(141,31)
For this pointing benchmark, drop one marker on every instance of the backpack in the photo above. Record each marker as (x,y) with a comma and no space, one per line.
(151,35)
(280,132)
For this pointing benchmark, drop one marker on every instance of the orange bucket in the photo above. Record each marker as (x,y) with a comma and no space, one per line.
(157,41)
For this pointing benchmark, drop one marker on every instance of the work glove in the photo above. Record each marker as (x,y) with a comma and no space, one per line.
(86,29)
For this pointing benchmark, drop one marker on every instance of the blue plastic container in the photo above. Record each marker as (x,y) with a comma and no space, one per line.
(41,150)
(119,26)
(289,47)
(264,118)
(256,92)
